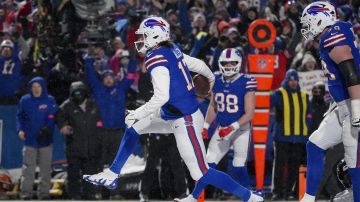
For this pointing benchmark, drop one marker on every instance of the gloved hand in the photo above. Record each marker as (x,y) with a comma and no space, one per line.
(225,131)
(44,133)
(228,130)
(355,113)
(355,122)
(130,118)
(205,134)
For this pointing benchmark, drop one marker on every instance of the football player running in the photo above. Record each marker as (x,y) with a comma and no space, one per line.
(340,60)
(172,109)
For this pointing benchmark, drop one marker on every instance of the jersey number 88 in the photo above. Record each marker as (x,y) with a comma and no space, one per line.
(228,103)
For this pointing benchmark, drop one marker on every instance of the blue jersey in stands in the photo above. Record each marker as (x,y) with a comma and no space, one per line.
(230,97)
(339,34)
(182,100)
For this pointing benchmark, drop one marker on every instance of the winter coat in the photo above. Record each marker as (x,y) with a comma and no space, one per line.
(110,100)
(36,115)
(84,141)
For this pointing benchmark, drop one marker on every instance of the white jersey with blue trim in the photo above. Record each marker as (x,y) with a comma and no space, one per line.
(339,34)
(230,97)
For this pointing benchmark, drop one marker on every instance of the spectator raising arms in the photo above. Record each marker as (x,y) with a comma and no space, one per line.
(35,124)
(110,97)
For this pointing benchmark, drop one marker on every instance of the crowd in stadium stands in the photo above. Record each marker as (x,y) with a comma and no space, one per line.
(73,64)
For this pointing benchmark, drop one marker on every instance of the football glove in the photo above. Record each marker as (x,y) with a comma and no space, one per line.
(44,133)
(130,118)
(205,134)
(355,113)
(228,130)
(205,131)
(225,131)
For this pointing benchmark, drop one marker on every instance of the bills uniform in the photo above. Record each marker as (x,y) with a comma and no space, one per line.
(229,98)
(172,109)
(331,134)
(336,126)
(180,114)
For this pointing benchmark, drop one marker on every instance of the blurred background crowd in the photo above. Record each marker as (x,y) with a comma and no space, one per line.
(45,42)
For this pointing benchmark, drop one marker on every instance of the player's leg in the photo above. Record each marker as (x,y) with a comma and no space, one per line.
(241,149)
(109,177)
(217,149)
(328,134)
(191,147)
(352,157)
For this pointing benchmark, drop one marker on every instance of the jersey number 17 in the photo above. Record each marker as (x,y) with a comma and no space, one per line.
(189,82)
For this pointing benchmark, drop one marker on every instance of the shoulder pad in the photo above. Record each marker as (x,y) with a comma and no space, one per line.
(339,34)
(248,76)
(217,73)
(155,60)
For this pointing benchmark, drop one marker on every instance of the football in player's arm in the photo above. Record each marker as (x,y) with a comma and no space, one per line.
(172,109)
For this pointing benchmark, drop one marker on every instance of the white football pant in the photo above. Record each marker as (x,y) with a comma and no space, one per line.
(336,128)
(188,137)
(218,147)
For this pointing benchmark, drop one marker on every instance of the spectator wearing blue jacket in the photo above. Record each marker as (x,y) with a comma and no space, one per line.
(110,96)
(291,131)
(11,76)
(35,125)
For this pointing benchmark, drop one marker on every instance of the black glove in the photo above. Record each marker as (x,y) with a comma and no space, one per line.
(44,133)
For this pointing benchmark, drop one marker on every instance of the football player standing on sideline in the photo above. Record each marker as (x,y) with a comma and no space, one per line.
(234,101)
(340,60)
(172,109)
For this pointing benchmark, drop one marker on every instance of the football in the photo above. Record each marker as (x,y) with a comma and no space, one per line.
(201,84)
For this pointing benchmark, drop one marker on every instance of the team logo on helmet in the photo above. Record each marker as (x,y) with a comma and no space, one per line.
(151,23)
(237,52)
(314,10)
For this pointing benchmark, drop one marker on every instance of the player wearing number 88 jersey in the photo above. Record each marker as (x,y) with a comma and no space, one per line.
(234,104)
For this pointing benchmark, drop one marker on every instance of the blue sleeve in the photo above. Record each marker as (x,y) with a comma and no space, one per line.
(51,114)
(132,66)
(91,76)
(155,61)
(216,55)
(20,116)
(126,83)
(184,19)
(129,79)
(200,38)
(340,34)
(251,84)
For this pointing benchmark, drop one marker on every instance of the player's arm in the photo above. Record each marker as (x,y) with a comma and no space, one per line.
(249,109)
(209,118)
(343,57)
(161,83)
(210,114)
(199,66)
